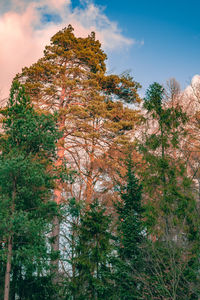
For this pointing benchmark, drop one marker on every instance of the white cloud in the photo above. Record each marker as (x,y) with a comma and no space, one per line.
(23,32)
(191,96)
(194,86)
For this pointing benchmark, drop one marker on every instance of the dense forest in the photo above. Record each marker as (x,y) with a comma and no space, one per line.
(99,188)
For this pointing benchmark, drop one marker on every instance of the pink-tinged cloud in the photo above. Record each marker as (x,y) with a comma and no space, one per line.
(23,34)
(191,96)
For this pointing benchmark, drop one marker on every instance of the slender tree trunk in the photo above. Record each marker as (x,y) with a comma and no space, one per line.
(89,189)
(55,244)
(8,270)
(9,255)
(89,185)
(58,192)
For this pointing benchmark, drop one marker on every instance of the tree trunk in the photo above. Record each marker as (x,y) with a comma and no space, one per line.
(9,256)
(55,248)
(58,193)
(8,270)
(56,225)
(89,185)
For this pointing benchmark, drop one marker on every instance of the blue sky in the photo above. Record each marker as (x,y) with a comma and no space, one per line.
(171,34)
(155,40)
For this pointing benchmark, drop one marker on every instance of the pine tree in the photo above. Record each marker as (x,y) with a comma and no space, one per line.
(71,79)
(27,153)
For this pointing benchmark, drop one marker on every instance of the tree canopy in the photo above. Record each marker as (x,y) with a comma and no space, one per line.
(98,195)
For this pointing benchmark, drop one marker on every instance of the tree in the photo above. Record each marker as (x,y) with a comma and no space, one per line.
(128,263)
(190,102)
(71,80)
(92,252)
(171,211)
(69,235)
(170,271)
(26,180)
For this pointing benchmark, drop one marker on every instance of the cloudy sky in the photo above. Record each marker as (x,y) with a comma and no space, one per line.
(155,39)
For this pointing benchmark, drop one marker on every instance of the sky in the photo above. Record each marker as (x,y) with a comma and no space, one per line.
(154,40)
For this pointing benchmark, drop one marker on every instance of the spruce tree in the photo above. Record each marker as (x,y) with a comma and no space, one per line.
(93,250)
(130,235)
(171,210)
(165,180)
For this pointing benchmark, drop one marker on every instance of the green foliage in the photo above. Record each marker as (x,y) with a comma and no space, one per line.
(25,128)
(165,181)
(71,79)
(153,100)
(129,210)
(91,252)
(128,263)
(171,213)
(152,250)
(26,180)
(85,60)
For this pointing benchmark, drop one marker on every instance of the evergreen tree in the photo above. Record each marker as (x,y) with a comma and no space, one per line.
(93,250)
(26,210)
(69,226)
(130,236)
(71,79)
(165,181)
(171,212)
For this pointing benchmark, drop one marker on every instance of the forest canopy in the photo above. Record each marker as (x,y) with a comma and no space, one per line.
(99,187)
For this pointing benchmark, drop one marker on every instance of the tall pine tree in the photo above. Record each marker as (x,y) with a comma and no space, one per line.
(71,79)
